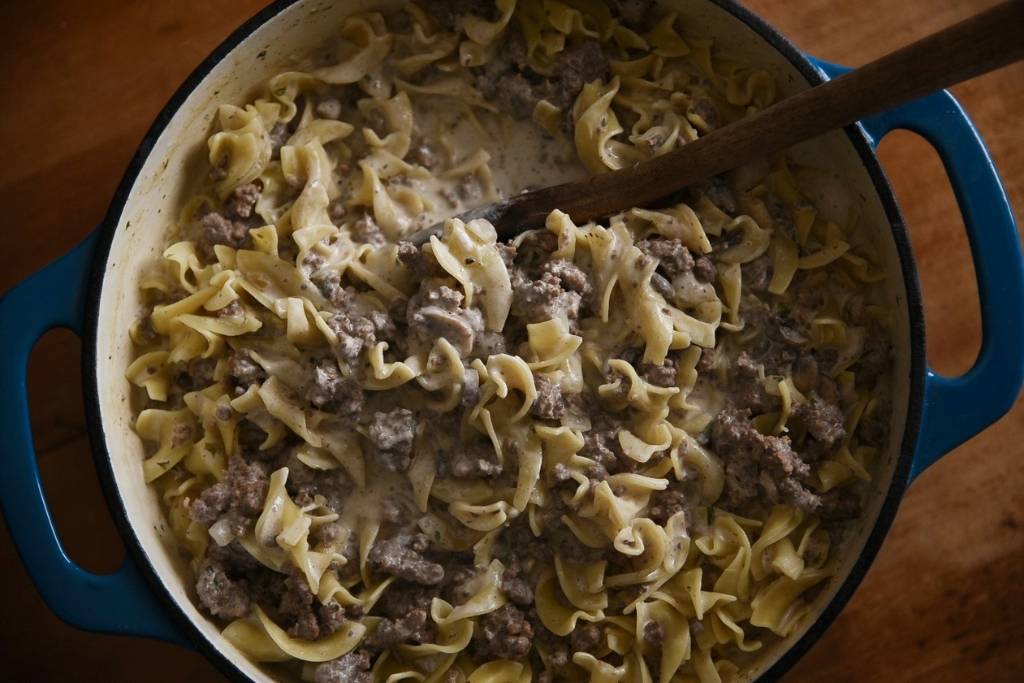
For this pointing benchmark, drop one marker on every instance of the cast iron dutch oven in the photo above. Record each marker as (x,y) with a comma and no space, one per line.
(92,291)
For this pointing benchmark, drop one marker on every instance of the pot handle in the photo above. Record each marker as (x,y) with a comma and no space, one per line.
(121,602)
(957,408)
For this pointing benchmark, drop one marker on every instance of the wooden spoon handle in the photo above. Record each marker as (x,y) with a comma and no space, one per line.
(982,43)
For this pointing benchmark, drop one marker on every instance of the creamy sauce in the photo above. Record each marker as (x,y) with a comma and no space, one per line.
(519,157)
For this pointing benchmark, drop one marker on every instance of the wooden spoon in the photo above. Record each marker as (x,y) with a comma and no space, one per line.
(980,44)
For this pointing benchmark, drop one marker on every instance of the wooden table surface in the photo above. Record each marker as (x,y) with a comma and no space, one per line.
(81,82)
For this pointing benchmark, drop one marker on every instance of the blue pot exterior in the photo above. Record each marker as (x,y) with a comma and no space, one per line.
(122,602)
(950,410)
(957,408)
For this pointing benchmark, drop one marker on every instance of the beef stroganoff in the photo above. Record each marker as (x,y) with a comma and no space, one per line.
(620,451)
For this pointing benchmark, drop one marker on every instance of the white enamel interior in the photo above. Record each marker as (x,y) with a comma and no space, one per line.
(178,156)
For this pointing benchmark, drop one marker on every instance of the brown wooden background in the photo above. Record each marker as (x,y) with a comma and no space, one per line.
(81,81)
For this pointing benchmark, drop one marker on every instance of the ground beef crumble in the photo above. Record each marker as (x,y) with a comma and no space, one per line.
(585,637)
(663,375)
(823,421)
(538,300)
(654,634)
(549,404)
(571,277)
(673,257)
(516,89)
(353,667)
(704,269)
(357,323)
(243,372)
(402,557)
(471,461)
(505,633)
(759,466)
(242,201)
(665,504)
(601,444)
(437,311)
(326,389)
(240,496)
(328,108)
(515,587)
(392,433)
(222,596)
(747,388)
(309,619)
(216,228)
(414,627)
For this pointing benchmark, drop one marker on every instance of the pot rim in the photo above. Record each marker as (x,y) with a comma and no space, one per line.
(105,234)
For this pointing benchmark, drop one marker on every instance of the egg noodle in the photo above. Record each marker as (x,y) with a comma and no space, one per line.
(619,451)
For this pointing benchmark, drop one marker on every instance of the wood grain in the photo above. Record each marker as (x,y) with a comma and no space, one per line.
(83,81)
